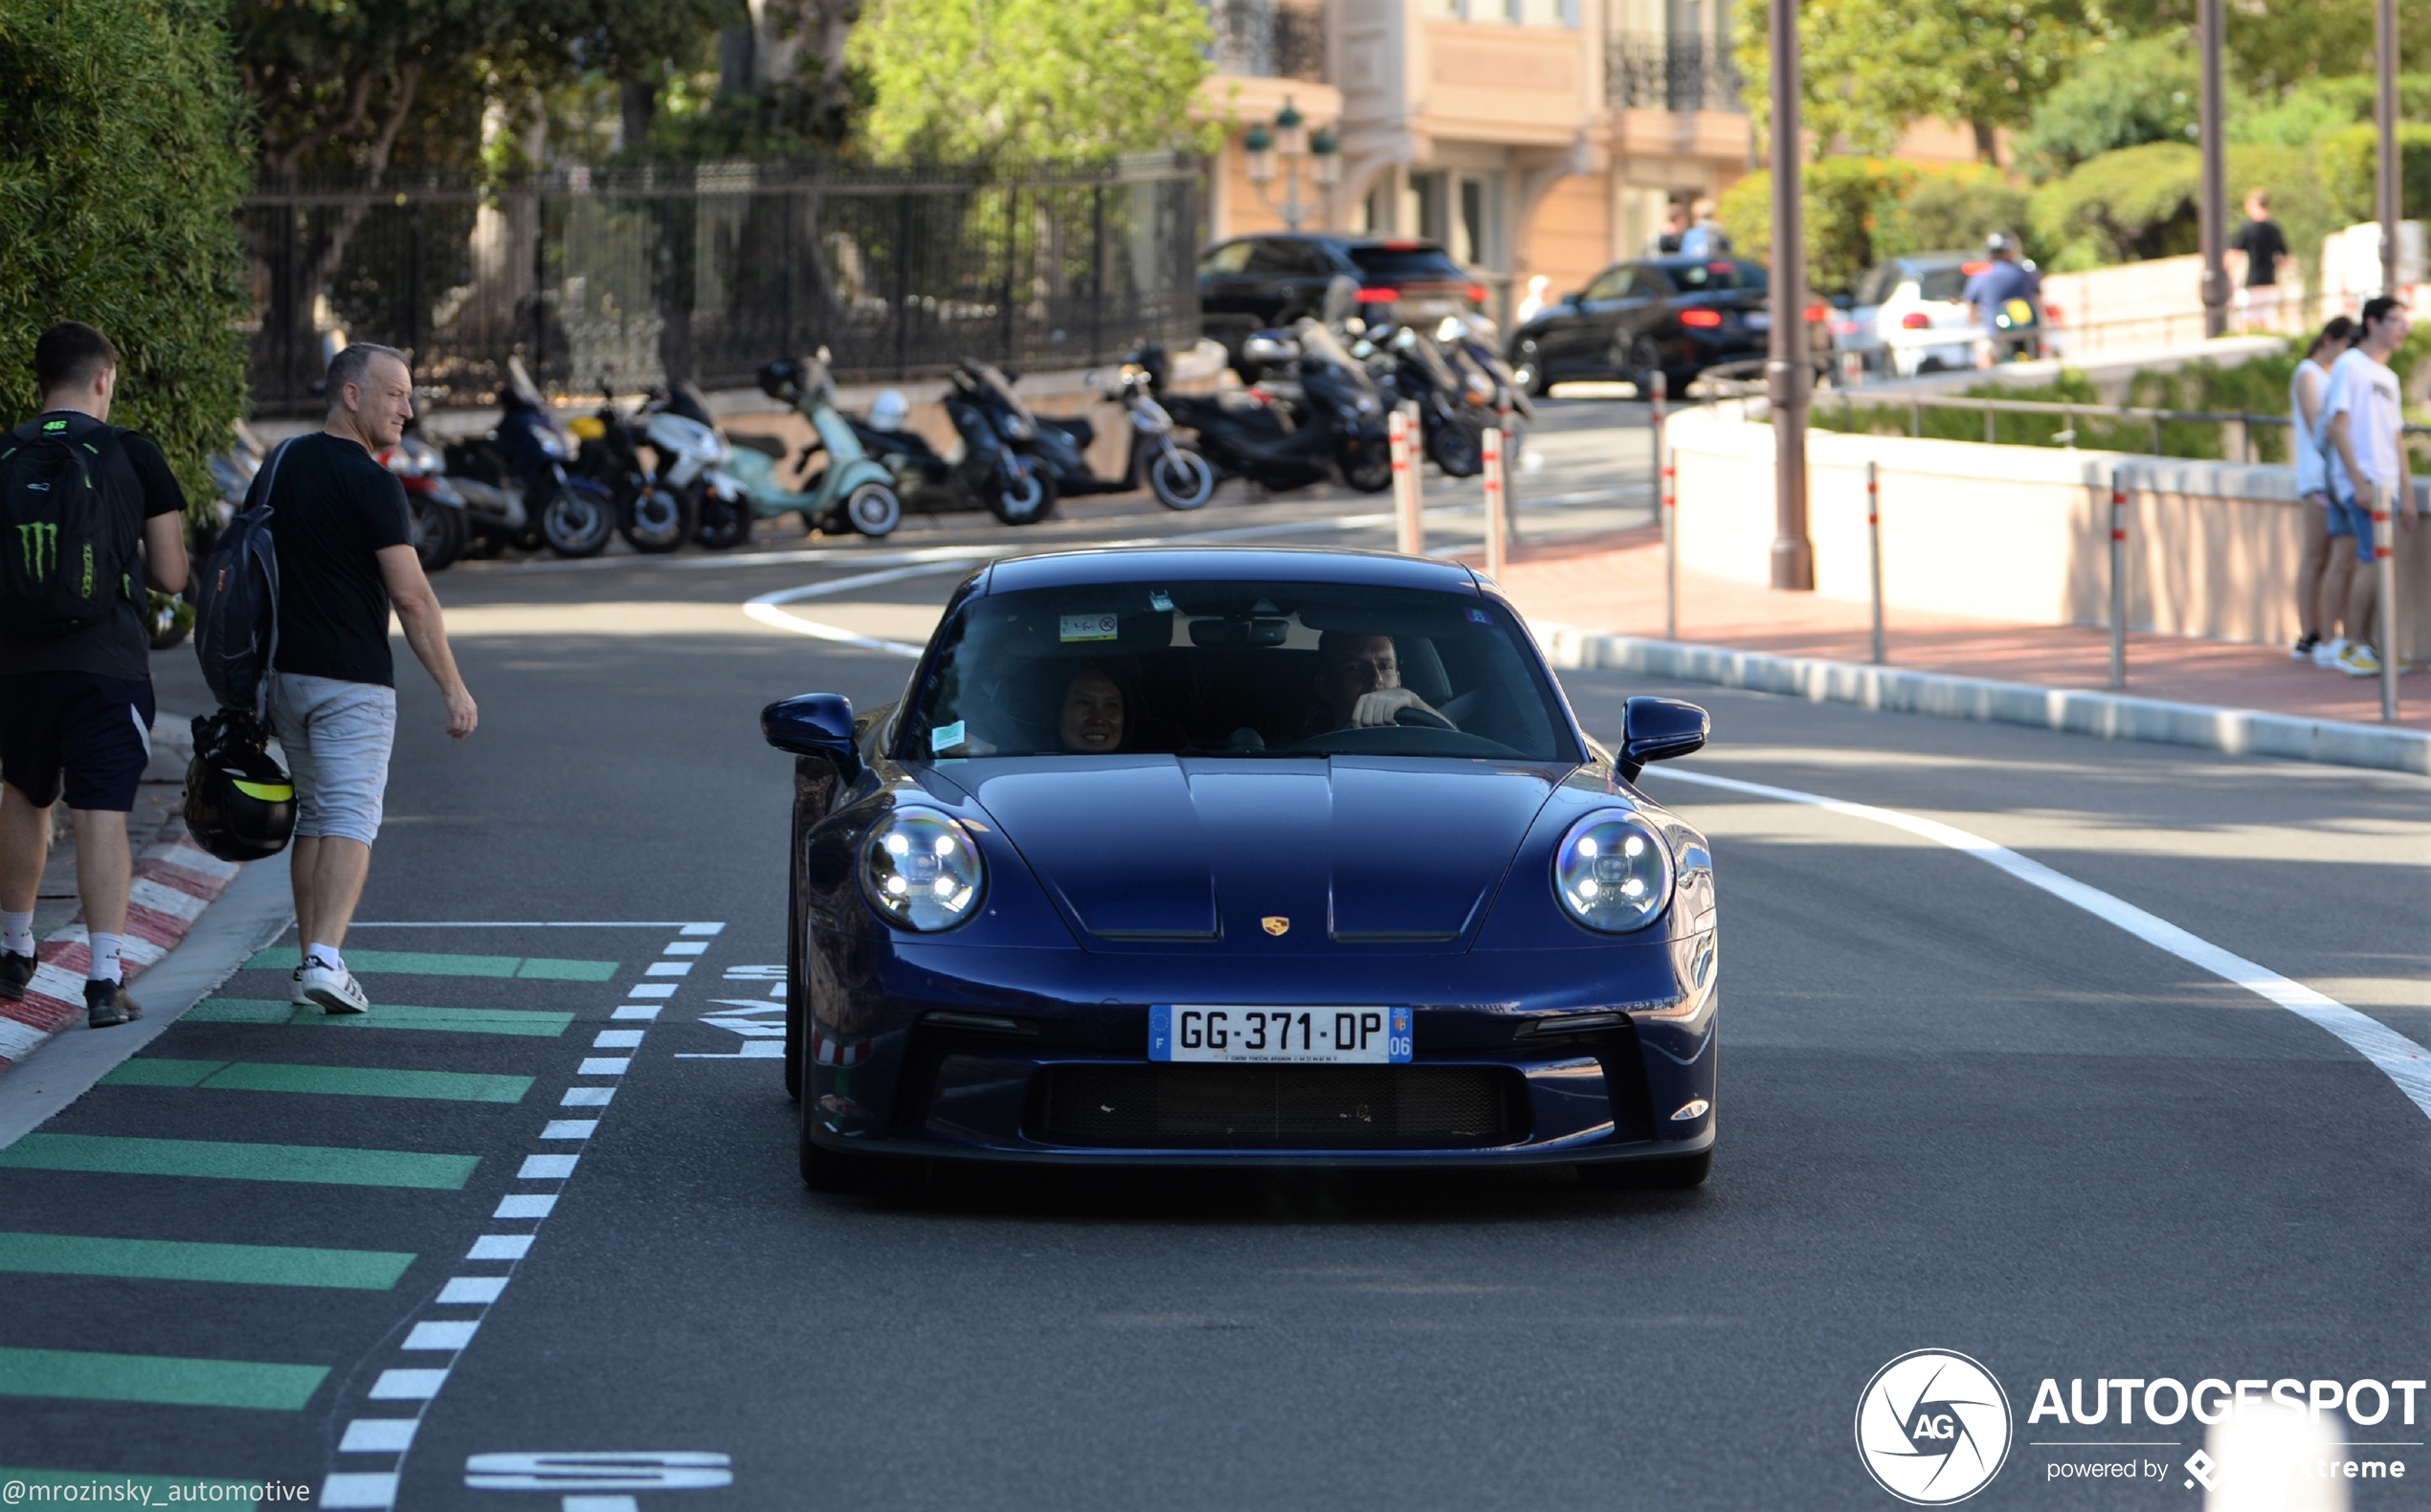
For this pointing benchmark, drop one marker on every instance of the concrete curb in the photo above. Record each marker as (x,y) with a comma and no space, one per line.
(175,880)
(2109,716)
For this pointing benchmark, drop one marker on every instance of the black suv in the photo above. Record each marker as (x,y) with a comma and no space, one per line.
(1253,283)
(1677,316)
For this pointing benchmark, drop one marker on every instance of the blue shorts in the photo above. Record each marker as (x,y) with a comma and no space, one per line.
(2350,518)
(95,733)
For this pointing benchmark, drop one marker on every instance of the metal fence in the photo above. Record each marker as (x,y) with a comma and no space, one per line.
(1648,71)
(639,276)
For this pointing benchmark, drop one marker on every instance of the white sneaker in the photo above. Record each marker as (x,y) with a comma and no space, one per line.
(2327,653)
(295,988)
(2358,661)
(336,990)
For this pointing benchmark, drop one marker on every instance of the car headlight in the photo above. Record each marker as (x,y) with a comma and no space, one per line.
(922,871)
(1613,872)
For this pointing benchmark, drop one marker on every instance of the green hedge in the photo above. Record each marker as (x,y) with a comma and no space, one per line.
(2350,158)
(121,163)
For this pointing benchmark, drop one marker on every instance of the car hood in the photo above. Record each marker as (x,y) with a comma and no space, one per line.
(1164,852)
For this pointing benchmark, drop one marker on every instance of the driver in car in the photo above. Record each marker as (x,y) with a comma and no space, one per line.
(1359,682)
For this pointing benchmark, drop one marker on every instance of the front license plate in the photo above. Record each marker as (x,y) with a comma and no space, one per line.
(1335,1035)
(1758,321)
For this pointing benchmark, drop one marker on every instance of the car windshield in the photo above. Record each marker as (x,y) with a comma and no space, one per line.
(1397,261)
(1245,670)
(1715,278)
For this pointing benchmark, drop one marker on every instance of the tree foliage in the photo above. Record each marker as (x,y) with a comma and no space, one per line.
(2140,202)
(2350,166)
(2123,95)
(1860,210)
(118,183)
(1013,80)
(1872,68)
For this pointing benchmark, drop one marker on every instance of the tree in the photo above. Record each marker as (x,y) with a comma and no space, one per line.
(1875,67)
(119,186)
(1012,80)
(2274,46)
(2123,95)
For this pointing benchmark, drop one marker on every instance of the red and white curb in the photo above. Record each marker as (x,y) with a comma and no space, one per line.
(175,880)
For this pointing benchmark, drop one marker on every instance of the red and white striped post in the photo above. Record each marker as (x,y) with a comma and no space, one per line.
(1874,548)
(1668,510)
(2118,577)
(1409,521)
(1496,508)
(2384,567)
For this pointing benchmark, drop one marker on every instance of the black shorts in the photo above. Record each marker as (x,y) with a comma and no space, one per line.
(97,731)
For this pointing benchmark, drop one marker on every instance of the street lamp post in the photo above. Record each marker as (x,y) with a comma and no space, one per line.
(2213,211)
(1289,139)
(1787,377)
(2385,110)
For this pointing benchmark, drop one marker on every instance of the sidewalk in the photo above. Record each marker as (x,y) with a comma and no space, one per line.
(1614,585)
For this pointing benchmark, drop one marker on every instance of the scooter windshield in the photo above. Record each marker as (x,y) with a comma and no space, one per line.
(992,379)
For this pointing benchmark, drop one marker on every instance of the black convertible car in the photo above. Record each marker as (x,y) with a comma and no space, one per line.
(1677,316)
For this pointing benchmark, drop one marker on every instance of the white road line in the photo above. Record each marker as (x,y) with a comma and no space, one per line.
(547,1168)
(2400,1059)
(586,1097)
(452,1335)
(470,1291)
(378,1435)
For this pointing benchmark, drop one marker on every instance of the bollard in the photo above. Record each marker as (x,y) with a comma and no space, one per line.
(1409,524)
(1495,509)
(1874,548)
(2384,567)
(1665,508)
(2118,577)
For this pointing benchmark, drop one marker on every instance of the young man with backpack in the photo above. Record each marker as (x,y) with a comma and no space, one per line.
(89,514)
(345,549)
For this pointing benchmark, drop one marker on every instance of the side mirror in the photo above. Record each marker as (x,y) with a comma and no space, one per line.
(815,725)
(1659,729)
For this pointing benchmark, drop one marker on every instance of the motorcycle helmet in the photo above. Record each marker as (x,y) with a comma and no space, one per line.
(890,411)
(240,804)
(1999,242)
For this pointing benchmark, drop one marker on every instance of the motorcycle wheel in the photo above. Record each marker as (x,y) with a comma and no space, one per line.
(1180,477)
(724,524)
(874,509)
(1025,502)
(577,522)
(656,519)
(1369,469)
(1456,449)
(439,532)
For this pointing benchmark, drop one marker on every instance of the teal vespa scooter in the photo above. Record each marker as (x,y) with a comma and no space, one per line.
(854,491)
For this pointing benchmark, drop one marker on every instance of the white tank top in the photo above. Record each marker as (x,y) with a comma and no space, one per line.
(2313,474)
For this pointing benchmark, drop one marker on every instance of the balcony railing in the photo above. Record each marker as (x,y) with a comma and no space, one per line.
(1268,39)
(1648,72)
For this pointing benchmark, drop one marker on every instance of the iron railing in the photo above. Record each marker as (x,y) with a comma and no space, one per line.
(1268,39)
(1650,70)
(710,272)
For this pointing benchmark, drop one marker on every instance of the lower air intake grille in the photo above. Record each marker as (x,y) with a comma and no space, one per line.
(1276,1107)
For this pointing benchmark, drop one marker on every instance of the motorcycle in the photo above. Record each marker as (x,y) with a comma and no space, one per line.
(1177,473)
(652,515)
(991,474)
(1453,406)
(516,486)
(435,509)
(1320,417)
(855,491)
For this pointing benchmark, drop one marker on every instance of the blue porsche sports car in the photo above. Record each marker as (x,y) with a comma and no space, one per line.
(1216,855)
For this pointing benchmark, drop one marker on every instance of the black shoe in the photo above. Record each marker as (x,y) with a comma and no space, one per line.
(2302,650)
(106,1005)
(15,971)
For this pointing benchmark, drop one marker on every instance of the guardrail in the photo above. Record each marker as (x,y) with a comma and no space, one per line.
(1846,401)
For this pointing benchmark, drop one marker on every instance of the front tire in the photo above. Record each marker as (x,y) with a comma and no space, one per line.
(576,523)
(438,532)
(1368,470)
(1180,477)
(1026,500)
(724,524)
(656,519)
(873,509)
(1456,449)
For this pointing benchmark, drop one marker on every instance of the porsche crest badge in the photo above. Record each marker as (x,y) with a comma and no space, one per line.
(1276,925)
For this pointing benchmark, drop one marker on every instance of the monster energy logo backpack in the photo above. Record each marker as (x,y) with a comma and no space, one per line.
(66,558)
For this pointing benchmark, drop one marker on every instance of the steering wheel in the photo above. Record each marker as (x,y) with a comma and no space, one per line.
(1411,714)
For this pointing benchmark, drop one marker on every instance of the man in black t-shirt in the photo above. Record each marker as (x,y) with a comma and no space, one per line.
(2264,247)
(346,558)
(76,709)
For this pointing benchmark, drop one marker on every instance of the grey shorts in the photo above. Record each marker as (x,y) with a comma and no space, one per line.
(337,737)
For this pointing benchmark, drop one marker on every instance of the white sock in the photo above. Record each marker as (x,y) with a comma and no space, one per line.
(16,932)
(327,955)
(105,962)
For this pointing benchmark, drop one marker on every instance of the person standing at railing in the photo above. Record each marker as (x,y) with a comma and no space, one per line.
(2261,248)
(2364,420)
(2317,614)
(1705,237)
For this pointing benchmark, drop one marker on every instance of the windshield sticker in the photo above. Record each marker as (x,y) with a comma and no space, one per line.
(1478,616)
(1088,627)
(1160,600)
(945,737)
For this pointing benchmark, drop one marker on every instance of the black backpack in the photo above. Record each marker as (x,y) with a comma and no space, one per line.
(236,602)
(65,555)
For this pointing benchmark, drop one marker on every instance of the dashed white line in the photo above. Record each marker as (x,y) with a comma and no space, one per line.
(547,1168)
(586,1097)
(466,1290)
(571,1128)
(525,1205)
(447,1335)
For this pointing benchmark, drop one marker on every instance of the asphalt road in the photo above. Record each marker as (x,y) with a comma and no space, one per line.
(1957,1112)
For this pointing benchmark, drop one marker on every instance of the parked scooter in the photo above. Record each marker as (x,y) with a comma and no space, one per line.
(988,474)
(1174,472)
(855,491)
(651,516)
(1318,417)
(516,487)
(1454,408)
(435,509)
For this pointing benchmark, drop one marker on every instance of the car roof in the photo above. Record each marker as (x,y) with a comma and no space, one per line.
(1922,260)
(1219,564)
(1667,263)
(1325,238)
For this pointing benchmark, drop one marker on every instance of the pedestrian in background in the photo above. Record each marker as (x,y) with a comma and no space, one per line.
(2261,246)
(2364,419)
(1532,303)
(1992,288)
(1665,243)
(2317,614)
(1705,236)
(94,509)
(346,558)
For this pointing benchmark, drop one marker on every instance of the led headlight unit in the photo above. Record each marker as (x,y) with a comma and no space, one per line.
(1613,872)
(921,870)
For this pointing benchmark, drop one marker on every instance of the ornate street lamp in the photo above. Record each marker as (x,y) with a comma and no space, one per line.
(1288,138)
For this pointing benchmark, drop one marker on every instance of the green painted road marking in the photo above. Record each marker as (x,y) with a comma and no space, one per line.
(384,1016)
(165,1261)
(142,1490)
(158,1378)
(214,1158)
(351,1081)
(423,963)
